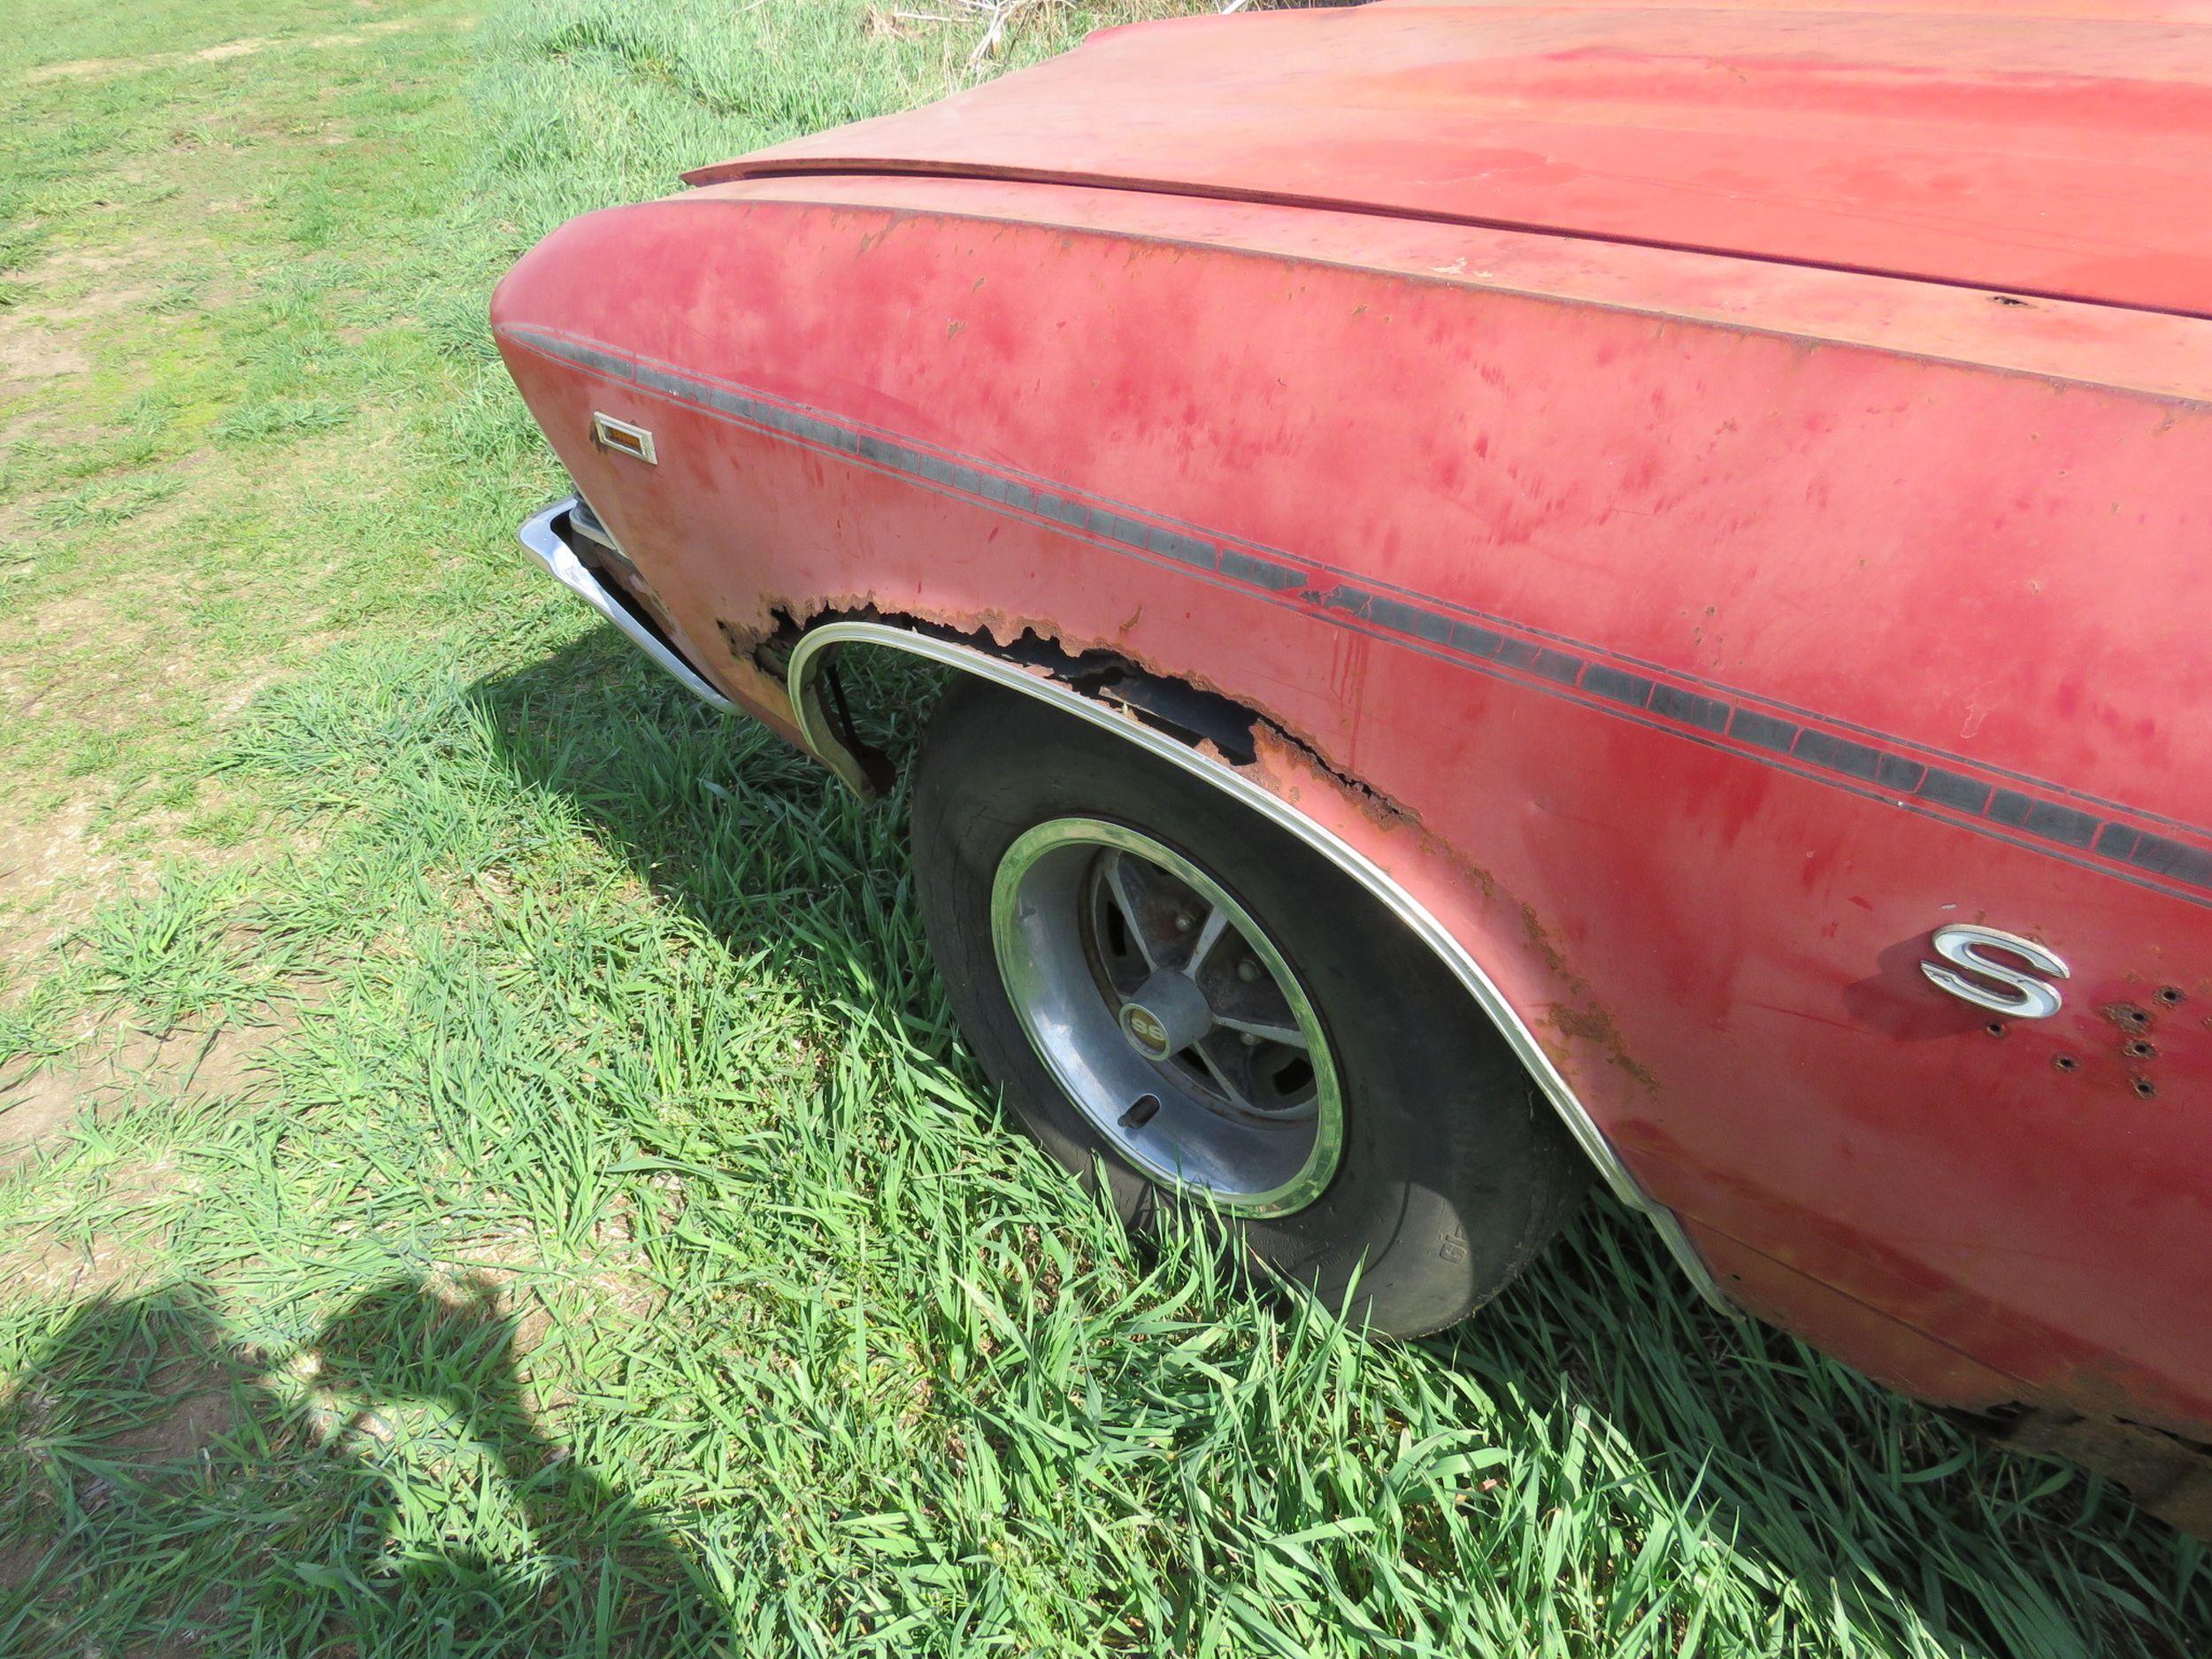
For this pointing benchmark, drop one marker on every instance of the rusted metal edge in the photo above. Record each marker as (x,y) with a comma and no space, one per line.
(814,648)
(2169,1475)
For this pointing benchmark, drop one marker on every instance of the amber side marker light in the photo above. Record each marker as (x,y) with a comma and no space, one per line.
(623,438)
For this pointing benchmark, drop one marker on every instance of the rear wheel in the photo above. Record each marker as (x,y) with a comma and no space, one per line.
(1177,995)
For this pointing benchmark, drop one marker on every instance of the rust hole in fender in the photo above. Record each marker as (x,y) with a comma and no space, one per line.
(744,644)
(2144,1087)
(2166,1473)
(1180,704)
(2128,1017)
(1192,714)
(2136,1048)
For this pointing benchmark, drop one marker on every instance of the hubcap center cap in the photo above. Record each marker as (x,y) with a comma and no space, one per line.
(1166,1016)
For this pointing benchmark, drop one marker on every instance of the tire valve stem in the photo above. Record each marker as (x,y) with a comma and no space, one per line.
(1141,1111)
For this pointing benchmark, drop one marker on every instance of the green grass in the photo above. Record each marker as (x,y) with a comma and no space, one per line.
(491,1170)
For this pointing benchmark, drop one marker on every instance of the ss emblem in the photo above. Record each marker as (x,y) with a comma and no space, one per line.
(1995,984)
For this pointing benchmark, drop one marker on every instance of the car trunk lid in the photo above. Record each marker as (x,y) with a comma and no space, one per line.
(2019,148)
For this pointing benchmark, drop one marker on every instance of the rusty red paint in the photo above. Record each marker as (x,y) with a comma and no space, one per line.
(1928,528)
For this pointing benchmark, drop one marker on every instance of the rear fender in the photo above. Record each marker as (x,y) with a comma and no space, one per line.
(1281,781)
(1208,735)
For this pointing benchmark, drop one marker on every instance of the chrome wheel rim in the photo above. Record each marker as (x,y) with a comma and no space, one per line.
(1170,1020)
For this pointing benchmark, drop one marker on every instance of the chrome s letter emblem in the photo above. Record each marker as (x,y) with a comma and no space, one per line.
(2001,987)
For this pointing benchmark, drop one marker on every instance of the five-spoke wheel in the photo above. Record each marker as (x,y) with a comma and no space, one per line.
(1187,1004)
(1171,1019)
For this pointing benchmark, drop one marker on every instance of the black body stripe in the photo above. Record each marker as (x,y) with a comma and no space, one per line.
(1865,762)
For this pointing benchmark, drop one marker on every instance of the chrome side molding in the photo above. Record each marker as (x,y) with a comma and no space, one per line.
(545,536)
(818,644)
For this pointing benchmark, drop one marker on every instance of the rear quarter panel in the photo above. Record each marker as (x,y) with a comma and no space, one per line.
(1693,638)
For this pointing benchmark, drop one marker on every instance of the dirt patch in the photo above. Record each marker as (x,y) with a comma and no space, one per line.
(100,284)
(40,341)
(93,641)
(207,1066)
(223,51)
(30,350)
(50,870)
(37,1111)
(106,283)
(98,615)
(193,1410)
(245,48)
(127,1073)
(19,1559)
(23,427)
(45,1266)
(134,1070)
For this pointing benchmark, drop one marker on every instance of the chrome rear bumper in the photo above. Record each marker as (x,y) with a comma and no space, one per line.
(548,537)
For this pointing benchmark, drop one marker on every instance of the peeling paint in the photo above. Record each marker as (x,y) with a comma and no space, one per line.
(1586,1020)
(1381,808)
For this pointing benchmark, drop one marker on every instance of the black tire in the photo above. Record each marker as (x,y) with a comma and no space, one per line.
(1455,1172)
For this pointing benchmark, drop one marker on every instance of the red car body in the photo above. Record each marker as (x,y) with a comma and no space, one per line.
(1701,500)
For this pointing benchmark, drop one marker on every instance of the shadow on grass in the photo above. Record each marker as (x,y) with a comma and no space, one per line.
(1807,1471)
(167,1481)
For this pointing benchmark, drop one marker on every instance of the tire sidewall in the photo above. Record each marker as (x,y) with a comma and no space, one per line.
(1428,1210)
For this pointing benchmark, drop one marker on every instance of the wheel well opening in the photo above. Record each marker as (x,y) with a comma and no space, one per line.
(1212,734)
(1194,716)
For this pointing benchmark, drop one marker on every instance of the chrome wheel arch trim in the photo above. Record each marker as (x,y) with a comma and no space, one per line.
(819,643)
